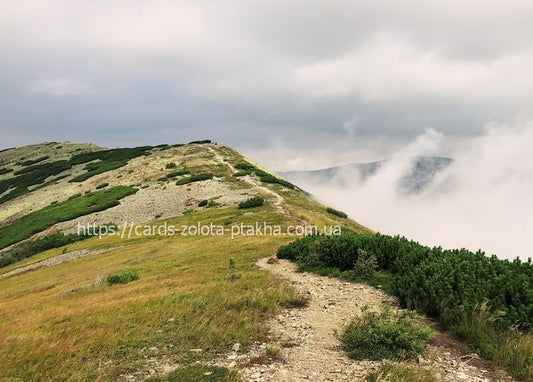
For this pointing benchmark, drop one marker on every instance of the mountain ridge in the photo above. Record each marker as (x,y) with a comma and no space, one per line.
(421,172)
(196,303)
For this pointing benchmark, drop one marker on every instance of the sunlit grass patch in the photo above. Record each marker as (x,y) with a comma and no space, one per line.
(183,300)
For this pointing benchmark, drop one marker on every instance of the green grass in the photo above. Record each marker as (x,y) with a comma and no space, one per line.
(397,372)
(65,322)
(183,300)
(70,209)
(198,372)
(509,349)
(389,335)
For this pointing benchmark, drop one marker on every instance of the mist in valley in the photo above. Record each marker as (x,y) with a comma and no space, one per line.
(482,200)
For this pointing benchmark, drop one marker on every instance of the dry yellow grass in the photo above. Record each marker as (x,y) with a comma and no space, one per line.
(59,322)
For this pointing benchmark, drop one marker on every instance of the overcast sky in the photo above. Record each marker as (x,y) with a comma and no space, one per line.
(293,84)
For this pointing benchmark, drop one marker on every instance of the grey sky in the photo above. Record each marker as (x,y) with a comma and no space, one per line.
(313,82)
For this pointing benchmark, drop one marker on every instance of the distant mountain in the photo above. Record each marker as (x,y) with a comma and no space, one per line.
(414,180)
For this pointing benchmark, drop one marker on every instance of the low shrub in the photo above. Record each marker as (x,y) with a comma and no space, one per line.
(336,212)
(170,165)
(122,277)
(486,301)
(241,173)
(183,181)
(72,208)
(212,203)
(194,178)
(203,203)
(397,372)
(386,335)
(31,247)
(256,201)
(173,174)
(32,162)
(200,142)
(102,185)
(245,166)
(268,178)
(200,177)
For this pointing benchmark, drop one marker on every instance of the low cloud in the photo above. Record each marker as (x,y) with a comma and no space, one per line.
(60,87)
(481,201)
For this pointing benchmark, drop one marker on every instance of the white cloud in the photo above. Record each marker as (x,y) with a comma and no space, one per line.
(389,67)
(483,200)
(60,87)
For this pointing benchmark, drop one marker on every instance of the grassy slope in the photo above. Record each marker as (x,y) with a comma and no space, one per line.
(55,323)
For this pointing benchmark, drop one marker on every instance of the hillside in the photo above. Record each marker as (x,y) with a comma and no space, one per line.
(420,173)
(64,321)
(149,263)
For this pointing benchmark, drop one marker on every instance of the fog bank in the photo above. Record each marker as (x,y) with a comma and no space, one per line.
(483,200)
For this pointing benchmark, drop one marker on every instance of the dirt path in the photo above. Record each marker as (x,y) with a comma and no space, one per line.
(278,199)
(310,350)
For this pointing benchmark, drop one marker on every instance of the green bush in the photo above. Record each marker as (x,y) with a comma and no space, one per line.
(268,178)
(200,142)
(5,170)
(183,181)
(170,165)
(102,185)
(256,201)
(123,277)
(241,173)
(336,212)
(245,166)
(37,174)
(387,335)
(32,162)
(29,248)
(108,160)
(194,178)
(203,203)
(200,177)
(441,283)
(212,203)
(477,297)
(75,206)
(365,265)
